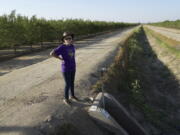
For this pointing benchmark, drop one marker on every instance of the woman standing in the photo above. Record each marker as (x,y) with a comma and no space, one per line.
(66,53)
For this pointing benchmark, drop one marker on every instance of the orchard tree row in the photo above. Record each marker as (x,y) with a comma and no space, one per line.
(22,30)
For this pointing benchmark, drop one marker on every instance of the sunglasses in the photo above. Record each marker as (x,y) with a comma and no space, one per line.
(67,38)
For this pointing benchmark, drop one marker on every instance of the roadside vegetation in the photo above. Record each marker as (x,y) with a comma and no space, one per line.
(171,45)
(168,24)
(136,79)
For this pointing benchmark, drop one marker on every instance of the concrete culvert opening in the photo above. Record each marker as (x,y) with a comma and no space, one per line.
(119,117)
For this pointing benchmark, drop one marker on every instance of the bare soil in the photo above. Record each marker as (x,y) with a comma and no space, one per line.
(31,88)
(168,32)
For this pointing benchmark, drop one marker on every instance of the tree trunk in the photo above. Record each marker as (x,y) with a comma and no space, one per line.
(14,46)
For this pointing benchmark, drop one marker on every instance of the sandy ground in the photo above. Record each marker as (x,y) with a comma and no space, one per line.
(31,87)
(167,58)
(165,55)
(166,85)
(168,32)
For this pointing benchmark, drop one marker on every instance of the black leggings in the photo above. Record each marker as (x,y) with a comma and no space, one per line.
(69,78)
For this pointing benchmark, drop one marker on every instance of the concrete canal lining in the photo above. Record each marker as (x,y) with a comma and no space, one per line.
(114,116)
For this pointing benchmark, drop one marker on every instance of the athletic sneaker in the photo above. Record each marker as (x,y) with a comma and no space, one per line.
(75,98)
(67,101)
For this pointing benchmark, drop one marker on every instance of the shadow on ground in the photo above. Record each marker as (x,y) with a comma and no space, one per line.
(18,129)
(43,55)
(155,99)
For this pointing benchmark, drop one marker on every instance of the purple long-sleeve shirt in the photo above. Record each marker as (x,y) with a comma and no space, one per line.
(67,52)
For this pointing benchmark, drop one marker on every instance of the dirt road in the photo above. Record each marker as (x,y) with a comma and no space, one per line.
(163,71)
(168,32)
(31,87)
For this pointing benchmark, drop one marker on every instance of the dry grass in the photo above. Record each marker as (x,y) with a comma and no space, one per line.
(130,80)
(172,45)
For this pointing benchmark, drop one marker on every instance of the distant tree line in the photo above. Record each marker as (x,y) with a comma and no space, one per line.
(168,24)
(21,30)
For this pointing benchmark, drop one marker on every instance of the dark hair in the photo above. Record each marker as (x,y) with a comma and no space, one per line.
(65,34)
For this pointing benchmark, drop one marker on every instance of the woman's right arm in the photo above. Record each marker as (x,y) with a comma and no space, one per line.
(54,55)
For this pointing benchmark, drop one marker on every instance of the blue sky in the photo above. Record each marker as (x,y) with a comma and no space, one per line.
(102,10)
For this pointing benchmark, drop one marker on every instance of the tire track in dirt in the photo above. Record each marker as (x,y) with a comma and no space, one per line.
(32,92)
